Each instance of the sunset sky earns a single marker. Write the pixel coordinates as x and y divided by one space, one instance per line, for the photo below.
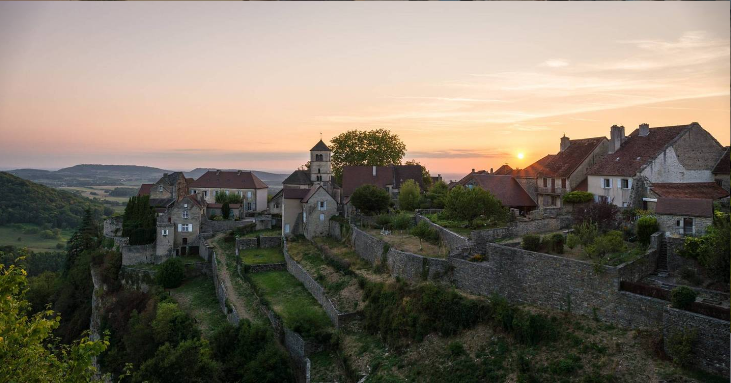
252 85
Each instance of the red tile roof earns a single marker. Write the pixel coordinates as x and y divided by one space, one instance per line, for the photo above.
356 176
295 193
534 169
145 189
637 151
566 162
703 190
504 188
724 163
684 206
228 180
503 170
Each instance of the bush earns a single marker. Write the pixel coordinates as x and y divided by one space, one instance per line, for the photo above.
370 199
646 227
401 222
557 241
384 221
409 196
578 197
612 242
171 273
572 240
682 297
680 345
586 232
470 204
603 214
424 231
531 242
691 276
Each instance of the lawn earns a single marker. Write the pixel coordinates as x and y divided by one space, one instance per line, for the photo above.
9 237
400 240
197 297
261 256
265 233
289 298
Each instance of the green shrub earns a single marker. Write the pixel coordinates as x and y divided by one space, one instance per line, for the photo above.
680 345
384 220
611 242
401 222
370 199
691 276
572 240
424 231
682 297
531 242
533 329
646 227
578 197
587 232
557 241
171 273
409 195
693 247
565 366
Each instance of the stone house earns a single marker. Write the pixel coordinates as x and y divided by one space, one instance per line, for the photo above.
721 171
179 227
307 211
388 178
170 186
504 187
237 210
245 184
674 154
684 216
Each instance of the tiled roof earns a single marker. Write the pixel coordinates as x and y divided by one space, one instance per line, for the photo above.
503 170
534 169
724 163
356 176
220 205
505 188
320 147
637 151
193 199
229 180
298 177
694 207
295 193
566 162
145 189
703 190
161 202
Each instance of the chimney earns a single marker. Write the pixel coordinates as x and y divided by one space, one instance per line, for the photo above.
491 171
644 130
238 173
218 172
617 137
473 170
374 171
565 142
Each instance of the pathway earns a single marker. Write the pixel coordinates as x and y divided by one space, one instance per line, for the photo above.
225 277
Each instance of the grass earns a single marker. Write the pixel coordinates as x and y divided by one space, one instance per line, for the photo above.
289 298
34 242
197 297
264 233
261 256
403 241
343 251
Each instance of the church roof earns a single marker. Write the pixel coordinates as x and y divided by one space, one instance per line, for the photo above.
298 177
320 147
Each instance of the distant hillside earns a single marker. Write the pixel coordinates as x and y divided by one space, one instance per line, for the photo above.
124 171
23 201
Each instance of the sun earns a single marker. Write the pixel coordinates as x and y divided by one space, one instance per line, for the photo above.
521 155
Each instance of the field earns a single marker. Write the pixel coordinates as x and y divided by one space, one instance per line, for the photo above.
33 241
261 256
197 297
101 193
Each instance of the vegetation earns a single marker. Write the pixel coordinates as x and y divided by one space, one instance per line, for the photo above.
436 197
712 250
611 242
370 199
23 201
139 222
425 176
680 345
377 147
171 273
409 196
226 210
123 192
470 204
578 197
682 297
27 347
531 242
604 214
646 227
231 198
425 232
261 256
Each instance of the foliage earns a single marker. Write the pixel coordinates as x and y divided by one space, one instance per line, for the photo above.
41 289
578 197
682 297
384 220
189 361
401 221
469 204
171 273
23 201
604 214
586 232
370 199
425 231
33 263
646 227
139 222
123 192
108 264
226 210
409 195
425 176
531 242
231 198
680 345
27 348
712 250
377 147
555 243
437 195
526 328
611 242
572 240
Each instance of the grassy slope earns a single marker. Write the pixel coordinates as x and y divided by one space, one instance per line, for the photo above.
197 297
9 236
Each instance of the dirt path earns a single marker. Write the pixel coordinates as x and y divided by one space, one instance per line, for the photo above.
225 277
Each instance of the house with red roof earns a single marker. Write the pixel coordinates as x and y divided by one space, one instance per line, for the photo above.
682 155
504 187
245 184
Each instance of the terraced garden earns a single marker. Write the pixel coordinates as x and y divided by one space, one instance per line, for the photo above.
402 240
261 256
264 233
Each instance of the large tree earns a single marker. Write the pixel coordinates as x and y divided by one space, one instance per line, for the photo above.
409 196
470 204
377 147
370 199
425 176
139 222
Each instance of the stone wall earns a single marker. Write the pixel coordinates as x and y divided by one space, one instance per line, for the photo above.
367 246
133 255
634 271
675 260
710 351
518 229
221 294
113 227
453 240
481 238
266 267
270 242
668 224
246 243
260 242
637 311
222 226
335 230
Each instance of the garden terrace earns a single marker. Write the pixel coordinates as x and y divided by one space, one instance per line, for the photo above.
197 297
264 233
341 286
403 241
462 227
261 256
292 302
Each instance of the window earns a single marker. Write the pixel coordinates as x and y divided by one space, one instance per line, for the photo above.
192 191
286 228
249 206
185 228
719 182
319 170
185 214
205 193
322 205
625 204
563 183
165 232
624 183
241 193
304 216
606 183
545 182
185 205
159 188
248 194
322 217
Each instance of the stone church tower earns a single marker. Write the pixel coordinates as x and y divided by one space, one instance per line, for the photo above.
320 166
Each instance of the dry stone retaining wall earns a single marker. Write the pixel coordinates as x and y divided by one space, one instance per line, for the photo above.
270 242
710 349
133 255
453 240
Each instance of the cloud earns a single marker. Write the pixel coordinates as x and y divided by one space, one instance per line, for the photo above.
457 153
555 63
455 99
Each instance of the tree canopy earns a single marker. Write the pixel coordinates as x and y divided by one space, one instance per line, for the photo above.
469 204
409 196
139 222
378 147
425 175
370 199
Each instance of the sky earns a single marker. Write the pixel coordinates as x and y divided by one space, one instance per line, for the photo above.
253 85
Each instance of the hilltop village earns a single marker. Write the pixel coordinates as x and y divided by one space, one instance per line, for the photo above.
623 230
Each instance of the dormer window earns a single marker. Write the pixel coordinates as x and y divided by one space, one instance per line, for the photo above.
159 188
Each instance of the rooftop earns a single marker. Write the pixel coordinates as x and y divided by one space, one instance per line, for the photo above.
694 207
567 161
505 188
229 180
356 176
702 190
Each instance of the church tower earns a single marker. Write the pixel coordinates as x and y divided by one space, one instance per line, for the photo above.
320 167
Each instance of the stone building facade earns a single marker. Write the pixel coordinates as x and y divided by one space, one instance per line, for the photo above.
170 186
178 228
245 184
